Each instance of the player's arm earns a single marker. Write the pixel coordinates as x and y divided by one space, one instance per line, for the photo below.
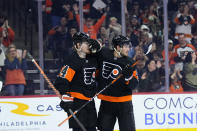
130 76
64 79
94 45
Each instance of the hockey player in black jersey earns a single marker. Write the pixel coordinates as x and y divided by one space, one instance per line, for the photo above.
77 78
116 100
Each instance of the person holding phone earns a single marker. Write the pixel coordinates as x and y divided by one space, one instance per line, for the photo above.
15 64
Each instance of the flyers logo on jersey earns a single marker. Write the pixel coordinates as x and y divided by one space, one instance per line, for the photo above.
89 75
110 70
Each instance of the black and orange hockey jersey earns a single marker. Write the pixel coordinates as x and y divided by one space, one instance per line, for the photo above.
109 69
77 77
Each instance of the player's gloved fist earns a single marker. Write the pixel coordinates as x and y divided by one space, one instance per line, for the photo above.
128 71
94 45
66 105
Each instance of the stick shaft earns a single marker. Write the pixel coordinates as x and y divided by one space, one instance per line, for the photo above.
67 119
48 80
77 120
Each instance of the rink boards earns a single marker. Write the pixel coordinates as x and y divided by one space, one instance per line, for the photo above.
165 112
153 112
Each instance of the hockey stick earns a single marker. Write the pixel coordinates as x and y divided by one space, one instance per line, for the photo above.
75 112
91 99
77 120
47 79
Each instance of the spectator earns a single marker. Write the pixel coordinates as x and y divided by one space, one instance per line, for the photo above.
144 28
89 27
144 15
141 66
175 81
146 42
114 29
68 11
153 20
190 72
170 53
133 29
195 11
57 11
180 50
69 41
103 36
142 59
171 32
15 64
138 53
135 10
6 32
184 21
114 9
144 2
57 39
73 30
150 80
192 9
157 56
194 40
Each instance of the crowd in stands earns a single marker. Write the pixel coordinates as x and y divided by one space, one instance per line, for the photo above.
12 62
144 27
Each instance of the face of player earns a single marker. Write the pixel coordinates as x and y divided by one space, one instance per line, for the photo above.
85 47
125 50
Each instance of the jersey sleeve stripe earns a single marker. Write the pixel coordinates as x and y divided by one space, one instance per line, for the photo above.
135 74
69 74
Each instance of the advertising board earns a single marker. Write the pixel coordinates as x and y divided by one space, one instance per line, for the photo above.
165 112
153 112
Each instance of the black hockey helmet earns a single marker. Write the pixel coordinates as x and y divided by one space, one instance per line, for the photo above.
120 40
80 37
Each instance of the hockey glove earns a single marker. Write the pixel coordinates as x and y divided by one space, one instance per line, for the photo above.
128 71
94 45
61 85
66 105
